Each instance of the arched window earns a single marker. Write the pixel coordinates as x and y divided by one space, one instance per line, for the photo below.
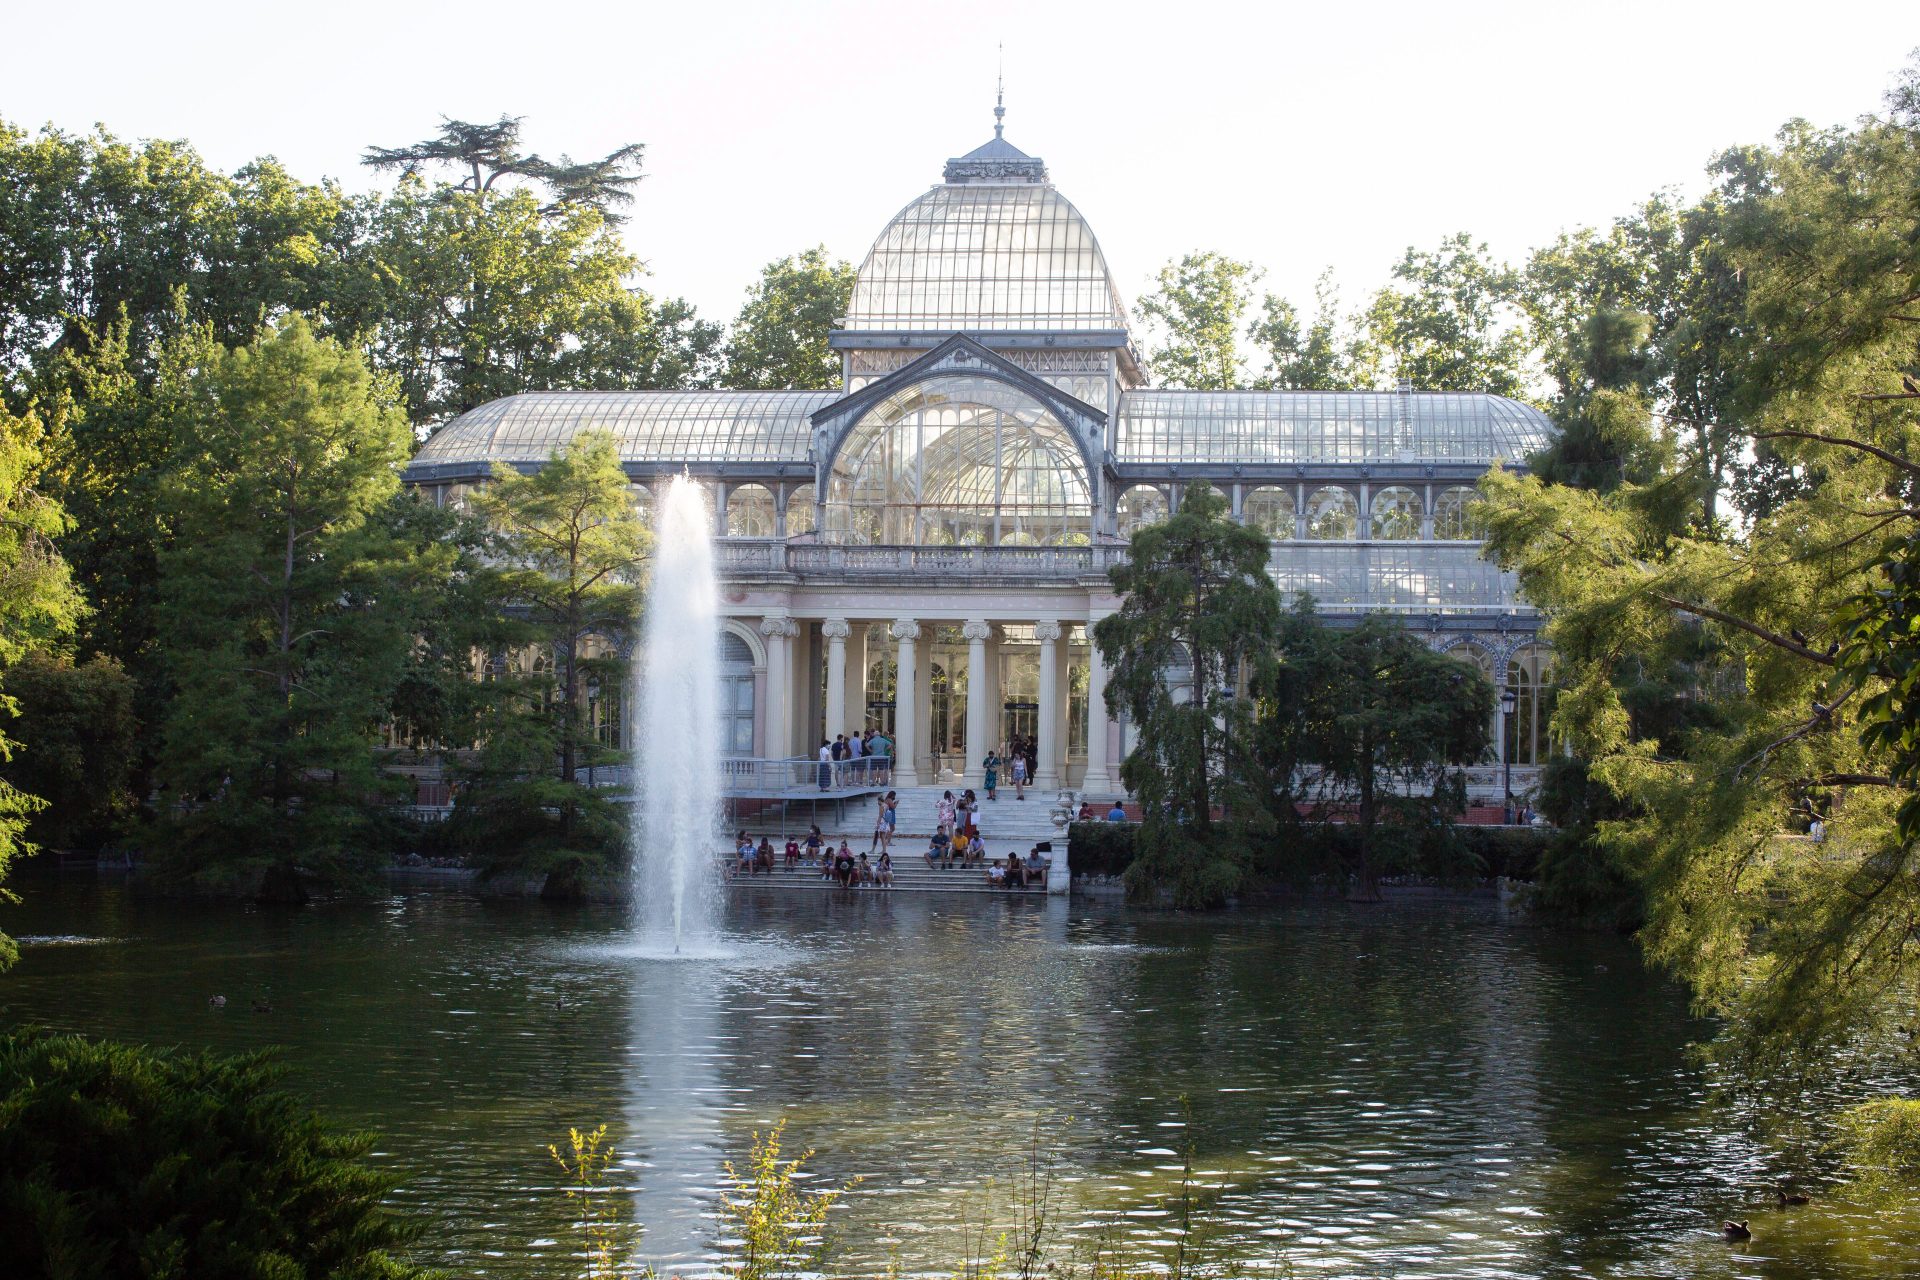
750 512
1139 507
1269 509
1482 660
1396 514
961 460
1530 676
800 510
736 695
1333 514
1450 522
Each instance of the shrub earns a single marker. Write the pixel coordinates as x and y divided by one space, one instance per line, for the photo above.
117 1160
1101 848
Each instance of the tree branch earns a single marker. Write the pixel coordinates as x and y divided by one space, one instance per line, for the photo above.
1847 442
1751 628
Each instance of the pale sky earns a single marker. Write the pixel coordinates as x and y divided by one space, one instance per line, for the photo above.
1295 136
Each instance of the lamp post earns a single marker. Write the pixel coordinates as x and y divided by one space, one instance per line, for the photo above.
1509 700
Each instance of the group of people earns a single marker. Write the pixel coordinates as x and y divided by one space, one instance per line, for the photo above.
1018 763
872 746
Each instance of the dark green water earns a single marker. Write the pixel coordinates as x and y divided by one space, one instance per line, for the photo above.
1411 1090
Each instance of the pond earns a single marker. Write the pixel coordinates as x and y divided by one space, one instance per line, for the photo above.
1414 1089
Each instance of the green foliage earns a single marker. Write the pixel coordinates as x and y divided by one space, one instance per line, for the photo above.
1195 598
1102 848
38 605
489 152
80 761
1450 323
1196 314
1318 357
569 552
122 1161
1782 645
472 296
1369 726
284 635
97 233
1881 1142
610 1240
779 339
783 1231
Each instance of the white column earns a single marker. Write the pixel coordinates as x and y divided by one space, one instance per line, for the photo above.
1099 777
1047 772
836 631
779 721
906 705
855 710
978 716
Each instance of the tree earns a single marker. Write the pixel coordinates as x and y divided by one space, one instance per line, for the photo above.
38 605
283 632
779 338
570 550
478 295
101 236
1450 324
119 1161
1316 358
1196 600
80 760
1196 315
490 152
1386 723
1799 625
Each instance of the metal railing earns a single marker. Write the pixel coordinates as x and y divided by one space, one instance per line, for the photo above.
1398 576
744 775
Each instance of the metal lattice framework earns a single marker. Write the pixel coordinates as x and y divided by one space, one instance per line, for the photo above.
958 460
1291 427
973 257
654 426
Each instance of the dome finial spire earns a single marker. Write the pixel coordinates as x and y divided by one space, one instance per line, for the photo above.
1000 94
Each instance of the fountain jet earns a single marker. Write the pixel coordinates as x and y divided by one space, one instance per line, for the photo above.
676 728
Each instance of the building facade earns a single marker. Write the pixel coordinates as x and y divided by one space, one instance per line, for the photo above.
926 548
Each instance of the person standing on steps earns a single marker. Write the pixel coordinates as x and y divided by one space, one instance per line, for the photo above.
826 763
992 766
1019 775
889 817
943 813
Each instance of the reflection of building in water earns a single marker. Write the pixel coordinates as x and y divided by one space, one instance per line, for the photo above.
924 549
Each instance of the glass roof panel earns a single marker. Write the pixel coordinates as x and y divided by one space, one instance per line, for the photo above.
1325 427
986 256
651 426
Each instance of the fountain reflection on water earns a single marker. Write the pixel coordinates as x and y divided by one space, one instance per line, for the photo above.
676 732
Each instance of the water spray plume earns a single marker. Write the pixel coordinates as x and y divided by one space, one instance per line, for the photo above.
676 725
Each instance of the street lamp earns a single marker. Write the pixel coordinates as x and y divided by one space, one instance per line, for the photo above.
1509 701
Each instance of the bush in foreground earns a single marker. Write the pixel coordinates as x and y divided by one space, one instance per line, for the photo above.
117 1160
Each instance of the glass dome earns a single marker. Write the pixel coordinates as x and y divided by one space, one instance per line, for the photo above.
958 460
973 256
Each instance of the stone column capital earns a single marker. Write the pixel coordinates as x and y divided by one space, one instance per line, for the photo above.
785 628
1048 630
905 629
836 629
977 630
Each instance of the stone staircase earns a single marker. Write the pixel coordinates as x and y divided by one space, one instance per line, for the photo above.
1007 826
910 875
